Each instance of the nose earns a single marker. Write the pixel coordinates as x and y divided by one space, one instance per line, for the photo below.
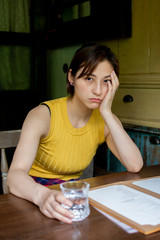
97 89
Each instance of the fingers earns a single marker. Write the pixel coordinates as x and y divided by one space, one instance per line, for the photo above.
106 104
59 197
113 85
55 210
115 81
52 207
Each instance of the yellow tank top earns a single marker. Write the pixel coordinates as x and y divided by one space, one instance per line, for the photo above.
67 151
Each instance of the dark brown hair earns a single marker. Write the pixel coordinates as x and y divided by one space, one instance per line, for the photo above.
88 57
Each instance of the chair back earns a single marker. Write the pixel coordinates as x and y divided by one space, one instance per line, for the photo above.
8 139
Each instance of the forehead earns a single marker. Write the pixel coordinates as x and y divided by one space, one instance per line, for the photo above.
103 68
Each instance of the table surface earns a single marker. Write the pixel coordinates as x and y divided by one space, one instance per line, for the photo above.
20 219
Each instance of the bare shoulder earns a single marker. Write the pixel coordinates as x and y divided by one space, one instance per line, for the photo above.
38 121
41 111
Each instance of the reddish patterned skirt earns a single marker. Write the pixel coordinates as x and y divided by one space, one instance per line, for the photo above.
49 181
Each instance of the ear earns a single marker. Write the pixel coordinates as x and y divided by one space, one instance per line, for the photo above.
70 77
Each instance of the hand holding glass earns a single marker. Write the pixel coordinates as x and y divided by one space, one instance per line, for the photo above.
77 193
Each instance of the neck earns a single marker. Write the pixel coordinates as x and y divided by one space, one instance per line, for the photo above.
78 114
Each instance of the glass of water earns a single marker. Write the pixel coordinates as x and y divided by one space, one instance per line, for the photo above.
77 193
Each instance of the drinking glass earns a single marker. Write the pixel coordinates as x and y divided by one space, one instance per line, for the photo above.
77 193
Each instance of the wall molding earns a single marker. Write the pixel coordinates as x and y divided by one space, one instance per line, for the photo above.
140 80
141 122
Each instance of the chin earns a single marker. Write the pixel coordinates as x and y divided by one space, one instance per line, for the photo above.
94 106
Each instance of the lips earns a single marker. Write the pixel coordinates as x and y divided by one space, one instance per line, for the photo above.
96 100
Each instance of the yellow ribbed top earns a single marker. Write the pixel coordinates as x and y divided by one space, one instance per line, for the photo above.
67 151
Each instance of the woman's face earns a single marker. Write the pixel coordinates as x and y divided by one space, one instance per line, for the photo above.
90 90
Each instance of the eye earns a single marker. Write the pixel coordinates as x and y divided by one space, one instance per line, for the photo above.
106 80
89 79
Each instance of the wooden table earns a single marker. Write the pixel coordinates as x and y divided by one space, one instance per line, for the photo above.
20 219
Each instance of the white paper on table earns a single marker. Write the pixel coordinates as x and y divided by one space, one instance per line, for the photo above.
124 226
130 203
152 184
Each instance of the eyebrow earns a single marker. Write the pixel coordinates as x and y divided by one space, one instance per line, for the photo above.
107 76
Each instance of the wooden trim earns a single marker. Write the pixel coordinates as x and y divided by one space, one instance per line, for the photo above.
141 122
140 80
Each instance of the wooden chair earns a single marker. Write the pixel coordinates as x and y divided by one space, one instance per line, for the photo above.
8 139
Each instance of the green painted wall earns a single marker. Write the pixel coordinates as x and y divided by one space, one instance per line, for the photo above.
56 78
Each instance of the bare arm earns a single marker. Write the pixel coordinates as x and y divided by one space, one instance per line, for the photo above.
122 145
35 127
117 138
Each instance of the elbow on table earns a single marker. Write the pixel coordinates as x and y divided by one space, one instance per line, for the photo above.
136 167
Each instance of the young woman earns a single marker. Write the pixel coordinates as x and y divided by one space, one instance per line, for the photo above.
59 137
